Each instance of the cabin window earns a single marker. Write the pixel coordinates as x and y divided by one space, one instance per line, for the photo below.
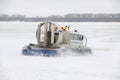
76 37
56 37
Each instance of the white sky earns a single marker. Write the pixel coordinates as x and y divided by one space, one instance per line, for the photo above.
58 7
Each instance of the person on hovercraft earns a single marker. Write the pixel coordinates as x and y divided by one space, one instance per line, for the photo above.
64 28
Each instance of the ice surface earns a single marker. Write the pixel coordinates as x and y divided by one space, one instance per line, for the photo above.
103 64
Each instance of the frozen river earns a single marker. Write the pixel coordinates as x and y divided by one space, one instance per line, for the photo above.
103 64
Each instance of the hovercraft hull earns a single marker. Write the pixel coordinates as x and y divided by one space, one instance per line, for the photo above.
40 51
28 50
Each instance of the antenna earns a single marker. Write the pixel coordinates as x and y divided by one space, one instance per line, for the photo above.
68 27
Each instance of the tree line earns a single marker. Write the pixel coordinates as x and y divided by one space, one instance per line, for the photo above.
65 18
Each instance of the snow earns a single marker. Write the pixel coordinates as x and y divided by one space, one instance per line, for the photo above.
103 64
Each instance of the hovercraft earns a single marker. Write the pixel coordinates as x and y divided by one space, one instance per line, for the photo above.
52 40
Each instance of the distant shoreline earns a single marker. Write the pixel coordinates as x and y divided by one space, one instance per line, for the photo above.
51 21
65 18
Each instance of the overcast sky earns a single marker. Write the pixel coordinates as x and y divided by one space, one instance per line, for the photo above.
58 7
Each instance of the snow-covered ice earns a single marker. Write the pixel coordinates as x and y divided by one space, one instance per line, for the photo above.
103 64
